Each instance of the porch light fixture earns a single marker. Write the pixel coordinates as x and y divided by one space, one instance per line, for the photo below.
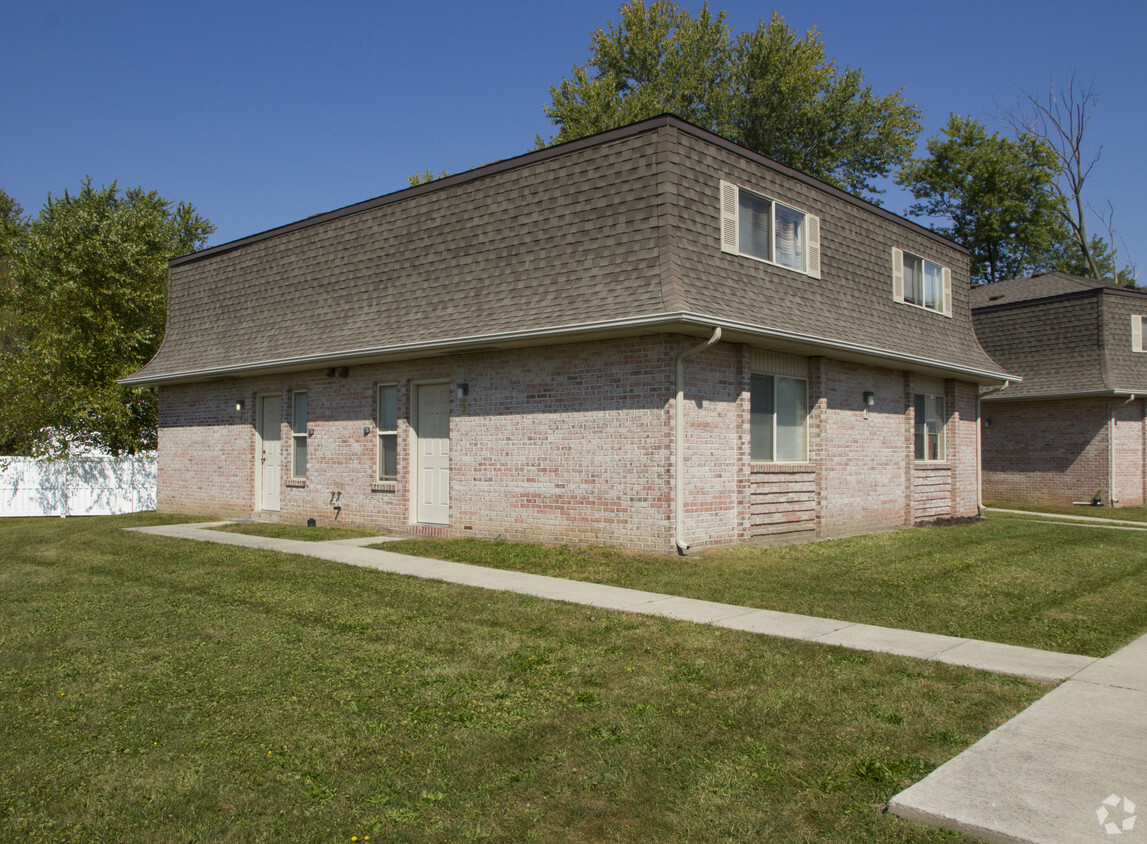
869 398
239 405
463 390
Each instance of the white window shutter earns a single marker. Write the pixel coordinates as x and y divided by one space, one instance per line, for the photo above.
813 245
898 274
947 292
728 217
1136 333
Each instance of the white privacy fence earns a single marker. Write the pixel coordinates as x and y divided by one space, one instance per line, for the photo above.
78 486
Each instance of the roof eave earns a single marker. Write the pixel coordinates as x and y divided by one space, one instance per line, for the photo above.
1082 394
684 322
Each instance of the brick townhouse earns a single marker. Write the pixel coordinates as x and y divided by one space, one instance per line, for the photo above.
650 337
1074 429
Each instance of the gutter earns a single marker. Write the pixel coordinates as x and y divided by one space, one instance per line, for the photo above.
980 445
487 342
679 442
1083 394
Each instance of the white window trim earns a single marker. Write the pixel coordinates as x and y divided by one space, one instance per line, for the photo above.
775 459
1137 333
385 432
943 431
730 230
296 435
945 308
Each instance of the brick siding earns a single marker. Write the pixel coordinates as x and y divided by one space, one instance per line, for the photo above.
1058 451
573 444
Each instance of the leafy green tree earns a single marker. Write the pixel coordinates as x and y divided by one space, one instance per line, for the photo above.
657 60
989 193
769 90
88 299
794 105
1065 256
13 231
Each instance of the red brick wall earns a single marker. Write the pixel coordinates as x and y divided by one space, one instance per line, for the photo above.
566 443
1045 452
1129 453
861 463
573 443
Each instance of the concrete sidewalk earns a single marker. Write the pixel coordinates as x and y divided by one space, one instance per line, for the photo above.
988 656
1072 767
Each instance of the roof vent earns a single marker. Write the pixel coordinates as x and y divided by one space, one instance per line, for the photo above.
997 296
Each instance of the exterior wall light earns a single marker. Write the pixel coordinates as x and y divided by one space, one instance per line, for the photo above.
869 398
240 405
463 390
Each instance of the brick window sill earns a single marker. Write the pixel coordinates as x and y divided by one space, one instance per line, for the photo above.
298 483
384 486
937 465
764 468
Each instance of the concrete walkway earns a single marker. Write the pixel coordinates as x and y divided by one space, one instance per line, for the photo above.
988 656
1072 767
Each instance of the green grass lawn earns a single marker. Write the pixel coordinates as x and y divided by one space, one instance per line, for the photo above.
156 689
299 532
1006 579
1130 514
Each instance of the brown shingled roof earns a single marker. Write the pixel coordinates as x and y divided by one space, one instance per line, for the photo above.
618 233
1065 334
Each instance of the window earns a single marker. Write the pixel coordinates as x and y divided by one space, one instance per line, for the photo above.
929 427
778 419
1137 333
918 281
299 434
387 432
768 230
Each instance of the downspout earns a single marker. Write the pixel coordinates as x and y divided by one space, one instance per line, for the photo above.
1111 452
980 444
679 442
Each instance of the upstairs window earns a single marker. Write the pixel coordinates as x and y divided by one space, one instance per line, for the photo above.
299 434
918 281
758 227
388 432
929 427
778 419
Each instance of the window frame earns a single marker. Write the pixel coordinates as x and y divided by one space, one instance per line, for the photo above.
920 434
385 433
297 435
773 413
732 229
900 259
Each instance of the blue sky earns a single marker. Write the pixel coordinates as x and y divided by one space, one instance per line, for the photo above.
263 113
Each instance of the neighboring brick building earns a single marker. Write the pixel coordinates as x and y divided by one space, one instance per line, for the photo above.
500 353
1078 344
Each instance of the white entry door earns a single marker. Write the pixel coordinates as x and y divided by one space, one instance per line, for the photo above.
433 454
267 456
